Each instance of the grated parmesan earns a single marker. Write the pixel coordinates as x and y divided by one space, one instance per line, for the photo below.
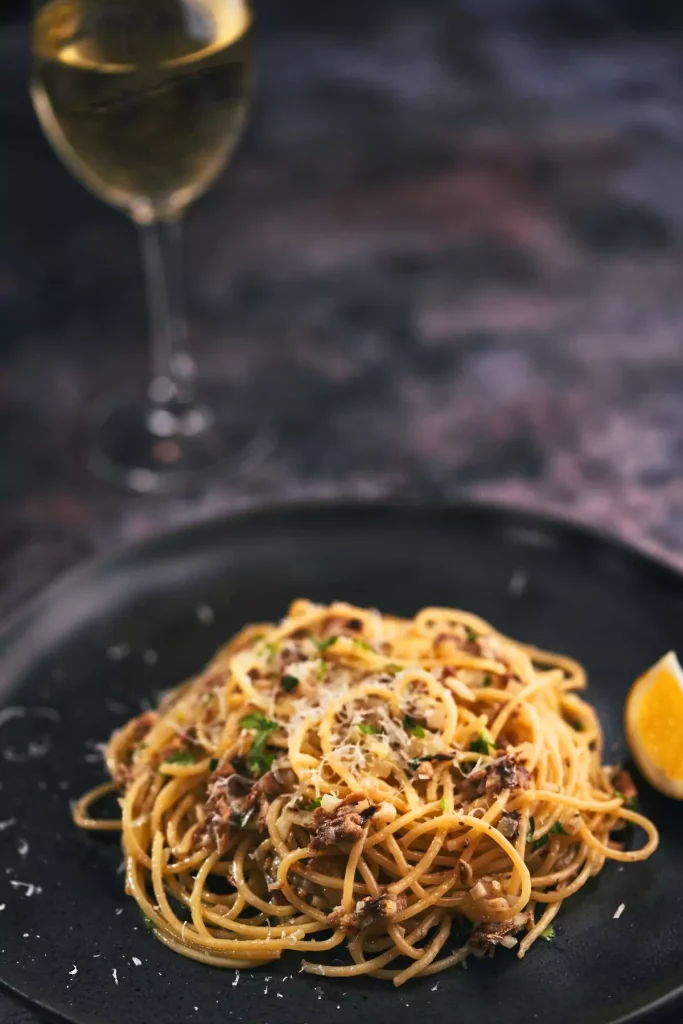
117 652
518 582
29 888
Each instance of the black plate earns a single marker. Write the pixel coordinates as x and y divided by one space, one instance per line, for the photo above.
110 636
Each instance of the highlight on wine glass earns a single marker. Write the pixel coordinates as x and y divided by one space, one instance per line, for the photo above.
144 101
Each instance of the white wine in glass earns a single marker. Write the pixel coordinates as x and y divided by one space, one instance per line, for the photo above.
144 101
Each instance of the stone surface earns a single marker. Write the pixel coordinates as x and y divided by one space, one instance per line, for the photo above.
446 261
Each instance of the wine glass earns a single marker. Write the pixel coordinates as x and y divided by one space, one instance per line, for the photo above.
144 101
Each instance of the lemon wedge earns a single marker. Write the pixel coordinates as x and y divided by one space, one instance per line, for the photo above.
654 725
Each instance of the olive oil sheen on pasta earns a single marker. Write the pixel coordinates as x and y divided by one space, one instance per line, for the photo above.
143 100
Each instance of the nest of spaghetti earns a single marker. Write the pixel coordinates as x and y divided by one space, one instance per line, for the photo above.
408 792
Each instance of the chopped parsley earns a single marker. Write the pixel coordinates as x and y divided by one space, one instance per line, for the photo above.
180 757
312 804
442 803
532 829
483 743
271 650
322 645
470 634
213 764
362 643
412 726
556 829
629 802
289 683
368 728
322 669
257 720
548 933
259 759
147 921
486 681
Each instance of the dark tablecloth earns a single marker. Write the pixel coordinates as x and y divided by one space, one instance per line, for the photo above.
447 260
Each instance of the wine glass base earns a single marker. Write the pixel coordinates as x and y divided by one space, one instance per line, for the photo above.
156 451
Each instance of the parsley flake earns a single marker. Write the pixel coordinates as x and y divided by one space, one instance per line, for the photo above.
180 757
412 726
442 803
257 720
259 759
289 683
556 829
368 728
470 634
362 643
147 921
548 933
483 744
312 804
322 645
271 650
213 764
486 681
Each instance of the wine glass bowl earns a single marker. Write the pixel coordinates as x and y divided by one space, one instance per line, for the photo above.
144 103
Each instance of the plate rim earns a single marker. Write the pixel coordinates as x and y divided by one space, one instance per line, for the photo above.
572 528
522 516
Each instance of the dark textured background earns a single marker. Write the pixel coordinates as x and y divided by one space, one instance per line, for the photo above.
447 259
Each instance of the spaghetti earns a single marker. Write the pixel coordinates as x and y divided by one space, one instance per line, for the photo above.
346 778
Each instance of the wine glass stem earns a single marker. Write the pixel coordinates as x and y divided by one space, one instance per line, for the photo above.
172 368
